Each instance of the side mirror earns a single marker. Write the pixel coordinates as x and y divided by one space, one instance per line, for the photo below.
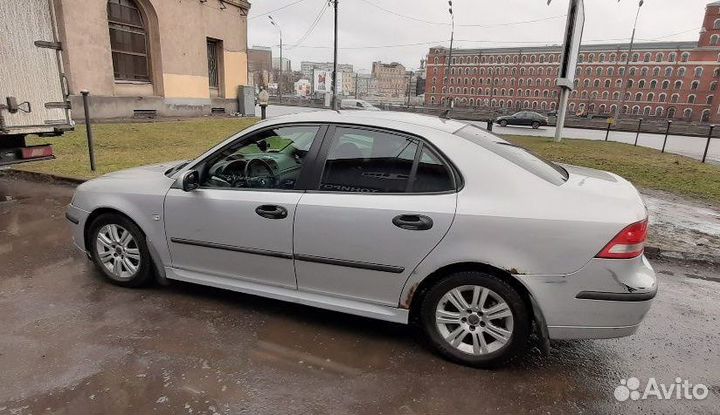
190 180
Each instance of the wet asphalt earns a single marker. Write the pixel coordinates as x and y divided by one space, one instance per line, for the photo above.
72 344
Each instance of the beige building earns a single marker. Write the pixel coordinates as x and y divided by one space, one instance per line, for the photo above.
169 57
392 80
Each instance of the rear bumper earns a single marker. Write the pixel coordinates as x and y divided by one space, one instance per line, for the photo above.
605 299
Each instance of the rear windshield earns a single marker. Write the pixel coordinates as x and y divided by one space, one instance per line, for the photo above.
542 168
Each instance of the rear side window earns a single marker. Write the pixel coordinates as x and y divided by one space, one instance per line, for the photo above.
371 161
538 166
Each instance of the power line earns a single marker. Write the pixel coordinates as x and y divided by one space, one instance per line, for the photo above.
275 10
459 25
312 27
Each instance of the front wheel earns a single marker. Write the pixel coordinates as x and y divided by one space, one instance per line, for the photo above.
119 250
535 125
475 319
503 123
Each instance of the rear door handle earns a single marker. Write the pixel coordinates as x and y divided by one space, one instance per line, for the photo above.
413 222
271 211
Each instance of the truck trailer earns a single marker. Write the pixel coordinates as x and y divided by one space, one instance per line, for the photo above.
34 95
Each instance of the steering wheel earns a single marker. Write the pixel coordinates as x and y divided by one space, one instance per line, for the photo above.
255 179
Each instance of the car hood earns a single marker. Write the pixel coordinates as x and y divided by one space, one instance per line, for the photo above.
142 171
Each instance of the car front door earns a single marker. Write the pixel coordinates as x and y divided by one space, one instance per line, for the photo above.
380 202
239 222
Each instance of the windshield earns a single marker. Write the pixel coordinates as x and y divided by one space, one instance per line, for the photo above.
538 166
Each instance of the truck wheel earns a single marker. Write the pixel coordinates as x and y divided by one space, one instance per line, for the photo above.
475 319
119 250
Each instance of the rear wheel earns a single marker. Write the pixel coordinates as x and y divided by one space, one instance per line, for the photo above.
475 319
535 125
503 123
119 250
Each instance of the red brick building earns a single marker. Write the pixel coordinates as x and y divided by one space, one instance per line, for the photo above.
676 80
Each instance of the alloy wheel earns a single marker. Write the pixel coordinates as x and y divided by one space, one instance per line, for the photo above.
118 251
474 319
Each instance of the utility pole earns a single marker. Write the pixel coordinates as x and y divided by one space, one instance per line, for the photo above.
447 73
280 76
335 55
618 110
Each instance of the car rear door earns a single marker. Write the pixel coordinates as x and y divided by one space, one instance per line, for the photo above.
380 201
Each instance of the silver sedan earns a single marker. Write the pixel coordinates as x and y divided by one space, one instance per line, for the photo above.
398 217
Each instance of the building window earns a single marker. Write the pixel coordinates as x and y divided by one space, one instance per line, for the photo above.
685 56
698 72
635 57
128 41
671 58
705 116
213 63
714 40
691 99
716 24
659 57
695 85
647 56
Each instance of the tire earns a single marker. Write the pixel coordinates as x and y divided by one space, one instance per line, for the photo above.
134 264
470 350
535 125
503 123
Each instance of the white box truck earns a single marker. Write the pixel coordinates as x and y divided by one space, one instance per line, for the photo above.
33 88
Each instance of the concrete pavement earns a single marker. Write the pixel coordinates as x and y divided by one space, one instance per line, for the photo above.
72 343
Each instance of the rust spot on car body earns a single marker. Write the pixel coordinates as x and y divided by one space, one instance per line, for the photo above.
408 299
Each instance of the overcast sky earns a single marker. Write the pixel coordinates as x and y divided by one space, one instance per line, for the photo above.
366 31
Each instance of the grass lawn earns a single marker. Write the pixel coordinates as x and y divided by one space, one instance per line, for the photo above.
119 146
644 167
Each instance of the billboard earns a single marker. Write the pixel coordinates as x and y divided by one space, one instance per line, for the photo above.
303 88
322 81
571 43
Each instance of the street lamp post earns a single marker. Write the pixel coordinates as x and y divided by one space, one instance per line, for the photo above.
280 76
618 110
452 37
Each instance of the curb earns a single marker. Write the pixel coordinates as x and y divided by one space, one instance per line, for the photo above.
654 252
43 177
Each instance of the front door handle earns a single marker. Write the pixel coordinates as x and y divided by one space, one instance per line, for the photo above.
271 211
413 222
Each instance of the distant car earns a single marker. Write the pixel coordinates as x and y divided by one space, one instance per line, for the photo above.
399 217
530 118
357 104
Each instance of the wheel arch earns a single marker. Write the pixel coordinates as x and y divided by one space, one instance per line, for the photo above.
414 296
155 256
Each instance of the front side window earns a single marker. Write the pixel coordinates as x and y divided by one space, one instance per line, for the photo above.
269 159
371 161
128 41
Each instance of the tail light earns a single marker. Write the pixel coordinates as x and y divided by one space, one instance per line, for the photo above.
629 243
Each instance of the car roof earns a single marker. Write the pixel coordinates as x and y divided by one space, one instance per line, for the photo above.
371 118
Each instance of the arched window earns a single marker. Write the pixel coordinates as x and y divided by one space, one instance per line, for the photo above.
714 40
709 100
687 114
698 72
638 96
571 107
678 84
716 24
646 111
128 41
650 97
662 98
610 72
659 111
671 112
685 56
705 116
647 57
659 57
695 85
691 99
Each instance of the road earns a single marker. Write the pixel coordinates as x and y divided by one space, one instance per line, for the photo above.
687 146
72 343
